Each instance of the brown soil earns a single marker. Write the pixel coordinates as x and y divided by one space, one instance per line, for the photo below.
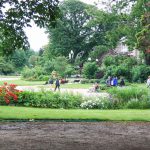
74 136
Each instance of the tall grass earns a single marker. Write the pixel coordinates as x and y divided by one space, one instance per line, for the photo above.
127 93
131 97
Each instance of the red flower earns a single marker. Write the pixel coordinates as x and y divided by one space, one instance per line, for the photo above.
15 98
7 101
8 92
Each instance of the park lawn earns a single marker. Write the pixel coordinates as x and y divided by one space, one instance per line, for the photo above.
32 83
3 76
26 113
22 82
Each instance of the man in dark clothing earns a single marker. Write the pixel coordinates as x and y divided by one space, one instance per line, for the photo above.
57 84
122 83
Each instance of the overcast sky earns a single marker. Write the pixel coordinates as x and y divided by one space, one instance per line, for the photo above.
37 37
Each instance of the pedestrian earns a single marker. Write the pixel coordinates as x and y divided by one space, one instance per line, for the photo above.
115 81
50 81
57 84
112 81
108 81
122 83
148 82
96 87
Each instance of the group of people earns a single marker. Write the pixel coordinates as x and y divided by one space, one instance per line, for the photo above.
113 81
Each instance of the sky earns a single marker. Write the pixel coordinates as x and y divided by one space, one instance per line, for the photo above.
37 37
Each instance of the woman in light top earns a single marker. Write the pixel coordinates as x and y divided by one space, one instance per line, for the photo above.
148 81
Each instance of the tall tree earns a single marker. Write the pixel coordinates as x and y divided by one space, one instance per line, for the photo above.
137 28
143 36
107 27
71 31
81 28
17 14
19 58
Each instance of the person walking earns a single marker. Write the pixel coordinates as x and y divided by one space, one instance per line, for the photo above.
57 85
148 82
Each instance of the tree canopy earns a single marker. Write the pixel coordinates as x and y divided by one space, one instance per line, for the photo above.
71 32
81 27
17 14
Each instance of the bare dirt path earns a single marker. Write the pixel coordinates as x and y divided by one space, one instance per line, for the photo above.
75 136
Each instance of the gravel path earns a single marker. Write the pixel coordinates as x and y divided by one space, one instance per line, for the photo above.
83 92
75 136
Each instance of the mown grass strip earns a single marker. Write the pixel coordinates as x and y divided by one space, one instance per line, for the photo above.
12 112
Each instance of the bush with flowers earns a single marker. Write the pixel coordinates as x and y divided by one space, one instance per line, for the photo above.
97 103
8 93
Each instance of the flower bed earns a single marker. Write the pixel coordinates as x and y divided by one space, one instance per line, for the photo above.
8 93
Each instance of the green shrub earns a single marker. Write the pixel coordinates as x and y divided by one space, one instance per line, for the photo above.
117 60
121 66
136 104
102 81
140 73
96 103
104 87
118 71
49 100
84 81
94 81
6 67
43 77
98 51
89 70
35 73
128 93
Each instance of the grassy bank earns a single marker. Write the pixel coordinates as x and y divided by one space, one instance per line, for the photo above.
11 112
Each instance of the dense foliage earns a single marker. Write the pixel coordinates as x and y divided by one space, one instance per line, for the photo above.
90 69
6 66
49 100
127 67
17 14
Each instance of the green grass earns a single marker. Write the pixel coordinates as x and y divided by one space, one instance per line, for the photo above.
2 76
12 112
23 82
71 86
32 83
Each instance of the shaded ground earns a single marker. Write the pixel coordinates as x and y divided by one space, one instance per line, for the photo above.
75 136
